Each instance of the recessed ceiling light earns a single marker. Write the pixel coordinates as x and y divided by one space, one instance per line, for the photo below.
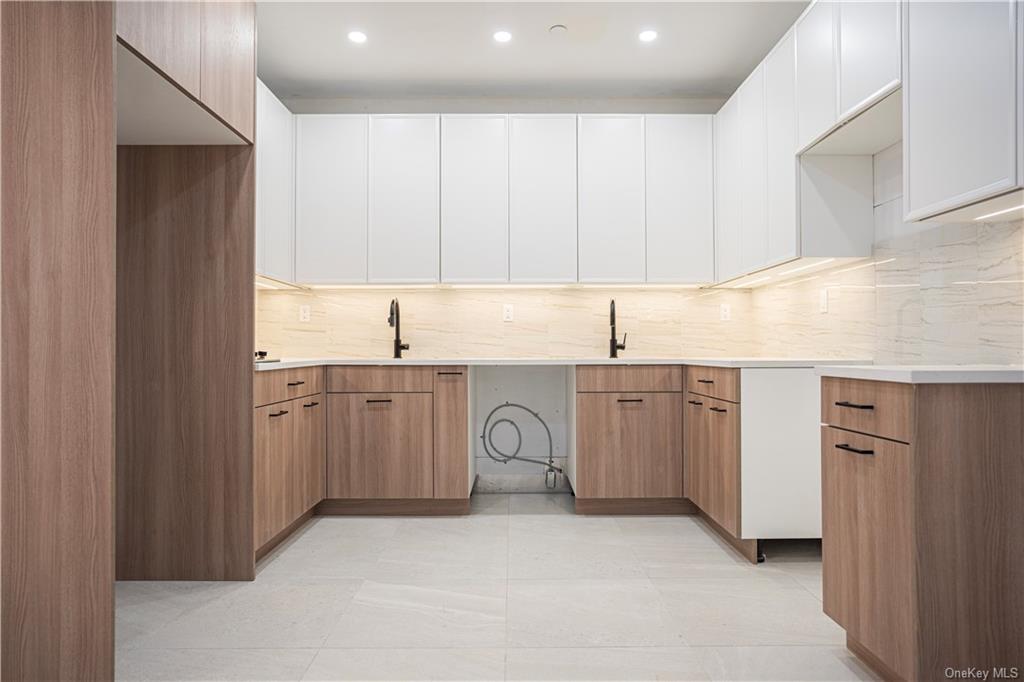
502 36
647 36
357 37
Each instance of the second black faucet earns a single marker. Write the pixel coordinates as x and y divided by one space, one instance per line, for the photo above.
395 320
613 344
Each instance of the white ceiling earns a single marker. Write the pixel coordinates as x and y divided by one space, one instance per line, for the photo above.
426 49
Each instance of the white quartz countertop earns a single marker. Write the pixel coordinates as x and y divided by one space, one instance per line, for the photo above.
748 363
929 374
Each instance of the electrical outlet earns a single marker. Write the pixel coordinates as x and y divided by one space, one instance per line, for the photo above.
725 312
507 312
304 313
823 301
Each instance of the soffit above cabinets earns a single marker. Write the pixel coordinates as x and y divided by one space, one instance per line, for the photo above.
425 49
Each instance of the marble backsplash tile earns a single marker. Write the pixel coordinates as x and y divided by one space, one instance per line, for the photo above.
952 293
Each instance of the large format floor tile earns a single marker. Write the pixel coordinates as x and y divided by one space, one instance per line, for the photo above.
408 664
520 589
587 612
452 613
180 665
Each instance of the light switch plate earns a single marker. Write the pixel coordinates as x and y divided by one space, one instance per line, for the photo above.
305 313
507 312
725 312
823 301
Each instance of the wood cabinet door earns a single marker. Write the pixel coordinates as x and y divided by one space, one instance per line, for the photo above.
695 472
629 445
723 463
451 433
227 81
166 34
309 455
380 445
866 543
273 440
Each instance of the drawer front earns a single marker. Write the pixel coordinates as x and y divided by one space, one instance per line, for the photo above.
629 378
629 445
377 379
866 543
717 382
877 408
275 385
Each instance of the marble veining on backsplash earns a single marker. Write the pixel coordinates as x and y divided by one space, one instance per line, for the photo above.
948 293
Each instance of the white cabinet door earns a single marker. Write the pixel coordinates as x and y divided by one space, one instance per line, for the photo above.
680 191
781 147
611 198
753 174
542 198
330 199
474 198
404 198
816 93
959 99
728 158
275 186
869 51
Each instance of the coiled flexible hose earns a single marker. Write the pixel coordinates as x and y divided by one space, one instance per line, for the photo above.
495 453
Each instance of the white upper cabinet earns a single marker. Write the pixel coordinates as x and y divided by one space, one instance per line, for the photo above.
961 91
728 167
781 147
275 186
816 72
404 198
869 51
680 191
753 173
474 198
542 198
611 198
330 199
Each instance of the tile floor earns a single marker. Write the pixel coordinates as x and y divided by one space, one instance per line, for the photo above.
521 589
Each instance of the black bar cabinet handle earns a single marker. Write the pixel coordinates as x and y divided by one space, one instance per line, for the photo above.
296 383
717 409
705 381
457 374
850 448
379 400
314 404
279 414
855 406
631 400
695 402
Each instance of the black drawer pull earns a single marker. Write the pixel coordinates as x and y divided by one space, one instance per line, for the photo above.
855 406
850 448
296 383
705 381
279 414
631 400
449 374
379 400
311 404
717 409
695 402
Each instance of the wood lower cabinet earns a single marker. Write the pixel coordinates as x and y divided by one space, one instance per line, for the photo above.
713 459
451 433
922 541
289 453
274 429
380 445
629 432
310 454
